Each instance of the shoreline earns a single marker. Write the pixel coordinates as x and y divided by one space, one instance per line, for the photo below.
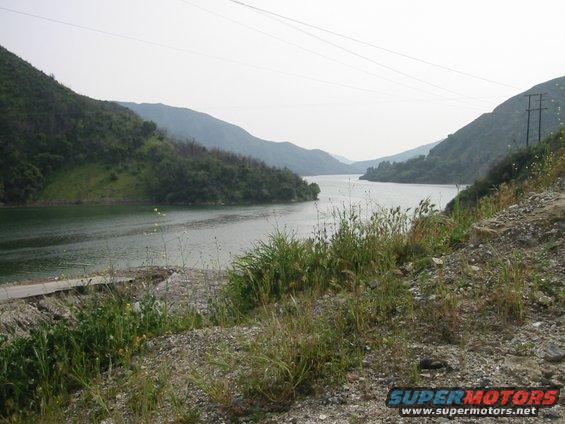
110 202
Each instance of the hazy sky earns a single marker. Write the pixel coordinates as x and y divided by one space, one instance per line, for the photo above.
357 112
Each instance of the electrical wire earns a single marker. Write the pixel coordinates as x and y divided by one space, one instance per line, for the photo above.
366 43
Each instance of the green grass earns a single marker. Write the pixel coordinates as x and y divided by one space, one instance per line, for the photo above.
94 182
39 372
508 293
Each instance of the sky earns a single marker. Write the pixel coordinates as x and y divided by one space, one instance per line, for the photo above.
284 81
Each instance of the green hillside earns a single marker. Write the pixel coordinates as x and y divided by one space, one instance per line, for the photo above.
214 133
58 145
471 151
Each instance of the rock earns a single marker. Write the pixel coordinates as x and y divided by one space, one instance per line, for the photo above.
481 233
552 413
542 298
136 307
322 417
352 376
485 382
474 268
548 373
527 240
554 353
409 267
431 363
437 261
373 284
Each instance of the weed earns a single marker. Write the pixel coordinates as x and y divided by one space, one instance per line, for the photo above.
146 393
508 293
59 358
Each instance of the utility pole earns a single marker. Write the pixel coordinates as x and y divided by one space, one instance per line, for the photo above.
530 110
540 108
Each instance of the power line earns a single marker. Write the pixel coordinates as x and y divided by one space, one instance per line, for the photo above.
354 53
194 52
189 51
293 105
366 43
303 48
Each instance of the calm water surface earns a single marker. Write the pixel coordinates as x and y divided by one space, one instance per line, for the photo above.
73 240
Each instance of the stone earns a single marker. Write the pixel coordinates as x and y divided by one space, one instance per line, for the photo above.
542 298
547 373
554 353
352 376
136 307
431 363
481 233
437 261
552 413
527 240
409 267
373 284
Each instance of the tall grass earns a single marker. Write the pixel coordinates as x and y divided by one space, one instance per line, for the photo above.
38 372
335 260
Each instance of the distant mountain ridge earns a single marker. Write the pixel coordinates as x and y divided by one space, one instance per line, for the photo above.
362 166
211 132
343 159
471 151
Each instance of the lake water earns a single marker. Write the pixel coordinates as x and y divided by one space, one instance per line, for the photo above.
74 240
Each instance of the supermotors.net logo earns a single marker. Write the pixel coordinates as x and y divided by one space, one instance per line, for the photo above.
477 402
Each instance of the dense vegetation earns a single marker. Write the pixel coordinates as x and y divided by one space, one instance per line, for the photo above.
279 287
421 169
47 131
516 168
471 151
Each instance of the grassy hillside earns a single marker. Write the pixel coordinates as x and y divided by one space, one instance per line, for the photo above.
214 133
58 145
93 182
471 151
515 170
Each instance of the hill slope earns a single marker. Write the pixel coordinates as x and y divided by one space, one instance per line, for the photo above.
214 133
58 145
470 152
362 166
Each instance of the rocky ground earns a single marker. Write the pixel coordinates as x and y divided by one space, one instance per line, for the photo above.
175 371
